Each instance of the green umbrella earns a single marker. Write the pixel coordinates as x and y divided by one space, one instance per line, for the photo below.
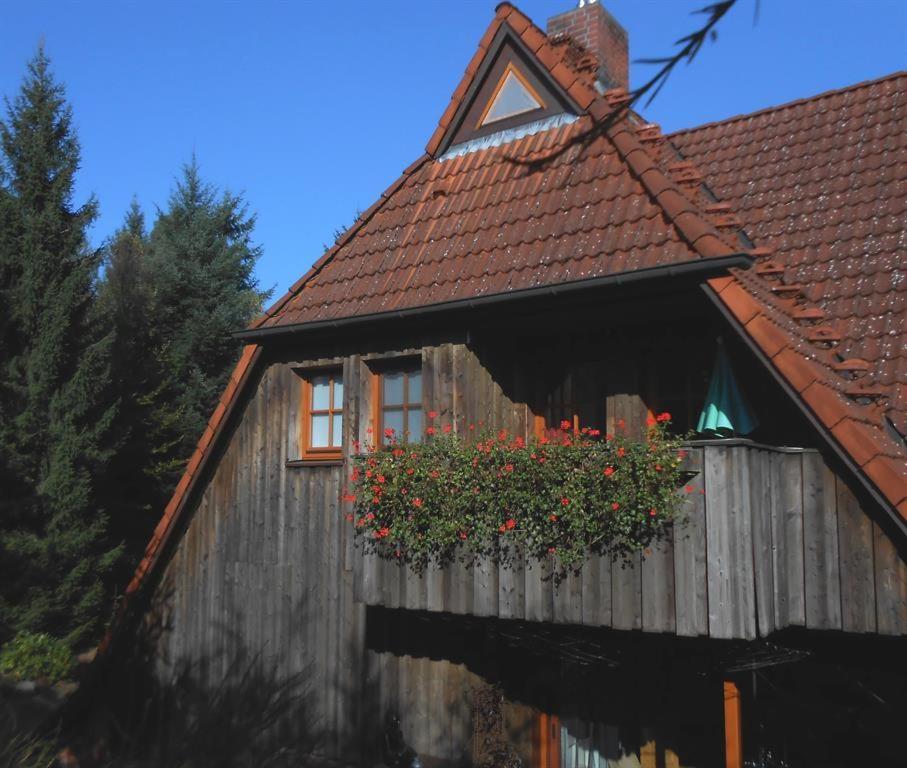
726 412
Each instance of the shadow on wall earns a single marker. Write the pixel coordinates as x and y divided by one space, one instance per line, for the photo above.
233 707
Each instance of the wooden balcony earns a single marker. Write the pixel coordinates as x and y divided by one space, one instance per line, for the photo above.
771 538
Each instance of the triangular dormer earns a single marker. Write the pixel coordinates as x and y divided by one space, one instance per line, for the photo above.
508 89
513 96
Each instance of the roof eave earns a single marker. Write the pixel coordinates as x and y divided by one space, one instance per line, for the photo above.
838 450
697 268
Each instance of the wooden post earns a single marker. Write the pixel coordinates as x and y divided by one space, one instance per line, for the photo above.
547 741
733 742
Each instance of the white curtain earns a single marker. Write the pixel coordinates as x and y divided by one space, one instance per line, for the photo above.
593 745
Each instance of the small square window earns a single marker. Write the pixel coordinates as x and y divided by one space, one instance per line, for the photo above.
322 416
399 405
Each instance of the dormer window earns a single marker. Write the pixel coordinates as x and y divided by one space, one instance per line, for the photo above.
513 95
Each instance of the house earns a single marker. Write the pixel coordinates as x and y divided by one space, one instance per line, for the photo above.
553 257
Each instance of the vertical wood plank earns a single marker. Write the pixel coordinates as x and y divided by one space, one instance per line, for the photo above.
855 540
822 576
890 585
626 593
787 538
716 466
690 559
763 559
658 587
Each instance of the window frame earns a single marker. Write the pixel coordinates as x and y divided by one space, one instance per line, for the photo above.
331 452
521 78
406 368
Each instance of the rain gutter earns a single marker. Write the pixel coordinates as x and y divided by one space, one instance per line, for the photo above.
700 269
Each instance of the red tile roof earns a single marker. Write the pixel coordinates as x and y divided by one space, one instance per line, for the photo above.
820 182
487 223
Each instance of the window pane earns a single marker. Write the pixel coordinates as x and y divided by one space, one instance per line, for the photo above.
415 387
337 430
414 425
393 388
338 393
512 99
393 420
321 393
320 431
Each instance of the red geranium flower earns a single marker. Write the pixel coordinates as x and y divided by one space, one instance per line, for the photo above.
508 467
653 512
608 471
552 518
417 502
511 524
662 417
650 421
430 431
463 535
565 501
447 428
388 432
566 425
615 506
432 414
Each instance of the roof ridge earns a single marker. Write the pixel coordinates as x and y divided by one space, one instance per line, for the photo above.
685 214
788 104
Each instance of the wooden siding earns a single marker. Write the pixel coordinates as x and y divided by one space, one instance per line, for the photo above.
267 566
264 569
770 539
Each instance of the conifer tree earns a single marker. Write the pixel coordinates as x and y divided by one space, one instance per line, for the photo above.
54 375
201 261
130 491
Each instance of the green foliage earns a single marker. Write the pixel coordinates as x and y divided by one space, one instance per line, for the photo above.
31 655
27 750
201 260
564 495
55 399
123 303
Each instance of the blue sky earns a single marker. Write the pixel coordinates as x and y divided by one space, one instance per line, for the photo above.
312 109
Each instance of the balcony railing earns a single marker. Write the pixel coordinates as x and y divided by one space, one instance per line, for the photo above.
770 538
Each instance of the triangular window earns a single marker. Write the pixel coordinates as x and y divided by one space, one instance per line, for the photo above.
512 96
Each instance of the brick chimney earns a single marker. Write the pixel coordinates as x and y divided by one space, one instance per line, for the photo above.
590 25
